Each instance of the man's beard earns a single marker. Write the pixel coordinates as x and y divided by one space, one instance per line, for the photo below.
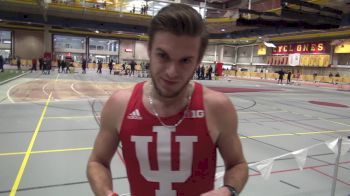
163 94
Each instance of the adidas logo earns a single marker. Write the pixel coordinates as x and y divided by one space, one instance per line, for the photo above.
135 115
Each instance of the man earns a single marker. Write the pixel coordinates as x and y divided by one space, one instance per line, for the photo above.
99 67
132 68
1 63
33 65
110 66
84 65
18 63
280 77
170 127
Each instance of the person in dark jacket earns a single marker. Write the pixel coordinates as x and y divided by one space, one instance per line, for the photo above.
280 77
18 63
110 66
1 63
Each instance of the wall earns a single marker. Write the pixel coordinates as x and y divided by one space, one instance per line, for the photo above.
244 55
126 43
141 51
209 54
229 54
258 59
28 44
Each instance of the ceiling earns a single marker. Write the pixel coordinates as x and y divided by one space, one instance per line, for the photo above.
221 17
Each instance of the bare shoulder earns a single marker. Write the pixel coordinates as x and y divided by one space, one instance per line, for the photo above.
114 109
121 96
216 101
221 114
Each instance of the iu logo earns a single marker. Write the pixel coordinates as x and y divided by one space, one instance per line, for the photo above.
165 176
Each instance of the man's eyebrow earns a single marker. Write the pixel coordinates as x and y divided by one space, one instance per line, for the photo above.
163 51
160 50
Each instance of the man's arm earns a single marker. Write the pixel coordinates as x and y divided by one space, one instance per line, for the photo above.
222 121
106 144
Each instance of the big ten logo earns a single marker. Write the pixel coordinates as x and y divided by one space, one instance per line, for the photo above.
194 114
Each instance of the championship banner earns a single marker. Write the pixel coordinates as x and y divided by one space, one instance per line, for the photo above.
316 47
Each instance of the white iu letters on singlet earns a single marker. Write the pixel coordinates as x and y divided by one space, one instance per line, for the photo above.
165 176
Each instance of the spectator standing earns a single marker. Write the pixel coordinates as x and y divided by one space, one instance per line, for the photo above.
1 63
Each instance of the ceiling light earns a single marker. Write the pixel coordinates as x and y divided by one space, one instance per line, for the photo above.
269 45
223 30
97 31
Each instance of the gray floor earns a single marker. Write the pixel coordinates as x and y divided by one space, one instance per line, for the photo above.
270 123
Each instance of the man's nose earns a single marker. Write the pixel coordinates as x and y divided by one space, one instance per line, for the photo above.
172 70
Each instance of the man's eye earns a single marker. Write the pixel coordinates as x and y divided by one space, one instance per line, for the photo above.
162 55
186 61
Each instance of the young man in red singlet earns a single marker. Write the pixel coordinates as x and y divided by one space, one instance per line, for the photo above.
170 127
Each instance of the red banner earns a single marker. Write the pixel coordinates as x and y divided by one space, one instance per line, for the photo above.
47 55
317 47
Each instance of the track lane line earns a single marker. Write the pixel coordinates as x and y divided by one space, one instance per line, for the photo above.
29 150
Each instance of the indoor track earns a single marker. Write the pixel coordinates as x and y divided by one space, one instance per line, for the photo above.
49 123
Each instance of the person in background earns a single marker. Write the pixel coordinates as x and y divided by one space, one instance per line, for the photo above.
84 65
280 77
170 127
41 63
99 67
1 63
210 71
337 77
34 62
18 63
110 66
289 75
132 68
331 77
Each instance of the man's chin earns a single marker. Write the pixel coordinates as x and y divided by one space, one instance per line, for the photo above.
168 94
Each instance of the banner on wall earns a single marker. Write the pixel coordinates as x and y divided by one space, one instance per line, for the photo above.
294 59
343 47
315 47
277 60
262 50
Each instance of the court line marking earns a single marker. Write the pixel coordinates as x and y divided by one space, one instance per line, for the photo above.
334 122
294 134
29 150
47 151
57 77
76 91
43 88
8 93
90 148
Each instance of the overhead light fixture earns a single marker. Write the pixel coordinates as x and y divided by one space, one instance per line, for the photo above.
97 31
269 45
223 30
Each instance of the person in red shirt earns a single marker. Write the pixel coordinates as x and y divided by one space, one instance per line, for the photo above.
170 127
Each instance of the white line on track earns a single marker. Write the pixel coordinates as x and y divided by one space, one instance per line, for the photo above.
8 93
76 91
43 89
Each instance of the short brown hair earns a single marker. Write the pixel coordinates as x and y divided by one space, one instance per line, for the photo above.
179 19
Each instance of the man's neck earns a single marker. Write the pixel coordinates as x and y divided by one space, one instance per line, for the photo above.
171 101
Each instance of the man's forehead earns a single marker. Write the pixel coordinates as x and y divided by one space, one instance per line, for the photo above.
175 53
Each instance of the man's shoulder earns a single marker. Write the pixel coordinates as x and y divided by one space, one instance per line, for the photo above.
122 95
214 98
